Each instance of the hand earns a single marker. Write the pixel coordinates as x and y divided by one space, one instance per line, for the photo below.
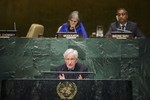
71 28
80 77
61 76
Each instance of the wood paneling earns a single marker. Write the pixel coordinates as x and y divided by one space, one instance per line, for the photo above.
52 13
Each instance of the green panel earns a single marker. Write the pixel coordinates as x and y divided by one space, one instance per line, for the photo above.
57 49
108 58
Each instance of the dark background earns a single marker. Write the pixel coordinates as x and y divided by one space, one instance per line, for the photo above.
52 13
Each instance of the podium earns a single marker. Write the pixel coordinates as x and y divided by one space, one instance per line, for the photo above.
45 89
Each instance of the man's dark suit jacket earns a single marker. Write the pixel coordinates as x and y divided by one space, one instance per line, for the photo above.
131 26
78 68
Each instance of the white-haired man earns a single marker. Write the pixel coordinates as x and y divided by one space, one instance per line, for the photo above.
72 65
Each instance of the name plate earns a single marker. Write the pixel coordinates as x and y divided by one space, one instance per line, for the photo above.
7 33
69 35
121 36
72 36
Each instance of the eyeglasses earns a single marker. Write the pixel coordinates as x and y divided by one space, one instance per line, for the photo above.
71 59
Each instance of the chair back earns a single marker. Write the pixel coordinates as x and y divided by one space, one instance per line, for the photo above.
35 30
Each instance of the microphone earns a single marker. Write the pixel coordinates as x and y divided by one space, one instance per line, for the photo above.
117 18
75 29
67 72
15 26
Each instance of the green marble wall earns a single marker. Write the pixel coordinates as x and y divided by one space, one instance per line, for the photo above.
107 58
31 56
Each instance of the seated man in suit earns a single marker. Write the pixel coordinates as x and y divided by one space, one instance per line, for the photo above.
72 65
122 23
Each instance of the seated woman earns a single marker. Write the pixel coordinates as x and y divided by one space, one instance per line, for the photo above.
73 25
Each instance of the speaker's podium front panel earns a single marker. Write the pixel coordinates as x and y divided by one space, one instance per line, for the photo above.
66 90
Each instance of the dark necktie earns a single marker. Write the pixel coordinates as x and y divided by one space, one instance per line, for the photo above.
123 27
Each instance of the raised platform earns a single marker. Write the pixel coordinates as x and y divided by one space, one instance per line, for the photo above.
109 58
